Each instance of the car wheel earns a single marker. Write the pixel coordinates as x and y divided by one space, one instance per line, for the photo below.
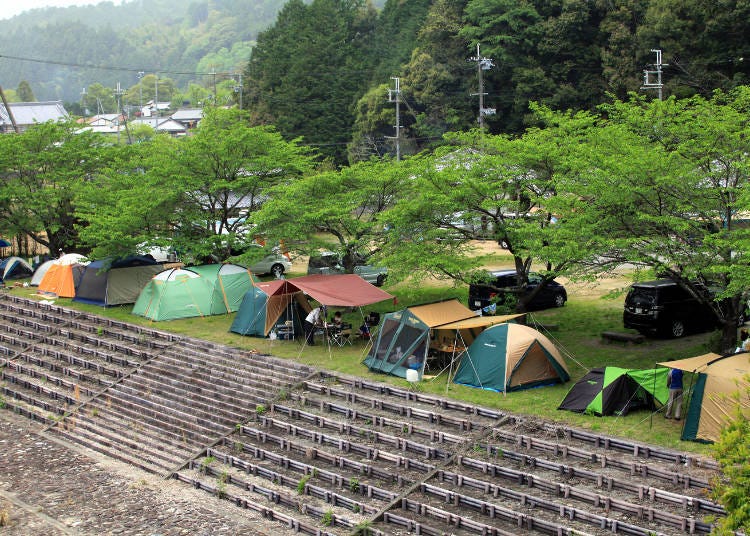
277 270
677 328
559 300
380 280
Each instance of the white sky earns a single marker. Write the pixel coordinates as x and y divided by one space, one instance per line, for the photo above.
14 7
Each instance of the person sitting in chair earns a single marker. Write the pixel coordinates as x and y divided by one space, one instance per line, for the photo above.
336 320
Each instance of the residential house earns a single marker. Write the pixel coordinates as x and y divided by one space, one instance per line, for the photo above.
27 114
151 110
161 124
190 117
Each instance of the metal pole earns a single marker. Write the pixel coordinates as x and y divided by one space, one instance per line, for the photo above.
140 91
394 95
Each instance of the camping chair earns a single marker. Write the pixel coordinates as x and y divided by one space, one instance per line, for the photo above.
340 335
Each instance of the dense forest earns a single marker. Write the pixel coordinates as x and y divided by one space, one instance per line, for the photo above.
322 70
60 51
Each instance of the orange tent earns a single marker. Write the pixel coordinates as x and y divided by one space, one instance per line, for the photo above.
63 275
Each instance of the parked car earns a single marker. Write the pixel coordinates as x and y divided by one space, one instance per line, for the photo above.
275 264
329 262
663 307
504 282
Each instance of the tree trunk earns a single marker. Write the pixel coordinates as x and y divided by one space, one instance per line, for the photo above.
728 341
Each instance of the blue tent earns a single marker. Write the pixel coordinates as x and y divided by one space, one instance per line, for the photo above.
14 268
110 282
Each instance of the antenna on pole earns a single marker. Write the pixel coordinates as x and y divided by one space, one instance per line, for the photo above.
394 95
483 64
647 83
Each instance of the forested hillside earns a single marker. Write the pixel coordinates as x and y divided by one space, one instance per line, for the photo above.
106 43
323 70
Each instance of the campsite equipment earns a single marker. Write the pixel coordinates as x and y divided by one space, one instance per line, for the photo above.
719 392
270 305
14 268
63 275
616 391
407 337
110 282
4 243
509 357
204 290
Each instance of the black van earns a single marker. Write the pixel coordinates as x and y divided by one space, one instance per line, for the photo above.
664 307
504 282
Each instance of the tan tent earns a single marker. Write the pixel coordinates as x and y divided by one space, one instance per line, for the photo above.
508 357
720 389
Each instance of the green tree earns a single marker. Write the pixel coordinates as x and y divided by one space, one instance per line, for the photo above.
703 43
665 183
99 100
131 203
42 171
223 174
307 71
493 187
336 210
544 50
24 92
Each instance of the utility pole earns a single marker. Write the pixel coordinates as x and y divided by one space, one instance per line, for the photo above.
118 98
140 92
483 64
9 111
238 87
213 74
83 102
156 98
394 95
647 83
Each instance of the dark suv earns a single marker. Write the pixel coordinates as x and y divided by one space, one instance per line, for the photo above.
664 307
505 281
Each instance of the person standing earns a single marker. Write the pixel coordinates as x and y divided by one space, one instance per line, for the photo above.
312 320
674 384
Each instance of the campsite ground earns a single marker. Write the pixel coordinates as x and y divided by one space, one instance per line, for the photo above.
575 329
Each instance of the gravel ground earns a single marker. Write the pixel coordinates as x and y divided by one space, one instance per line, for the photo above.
50 488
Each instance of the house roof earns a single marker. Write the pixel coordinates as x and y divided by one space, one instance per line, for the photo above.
188 114
28 113
163 124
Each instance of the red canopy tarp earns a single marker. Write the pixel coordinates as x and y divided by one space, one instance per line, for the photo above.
343 290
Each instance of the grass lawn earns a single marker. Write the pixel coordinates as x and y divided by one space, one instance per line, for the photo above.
576 330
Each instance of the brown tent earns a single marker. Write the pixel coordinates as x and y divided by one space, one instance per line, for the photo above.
721 389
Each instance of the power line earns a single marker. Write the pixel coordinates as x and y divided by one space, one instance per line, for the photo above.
109 67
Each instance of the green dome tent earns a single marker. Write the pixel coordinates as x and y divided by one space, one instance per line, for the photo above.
615 391
205 290
509 357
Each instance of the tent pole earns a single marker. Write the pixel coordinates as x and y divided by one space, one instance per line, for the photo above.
653 400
